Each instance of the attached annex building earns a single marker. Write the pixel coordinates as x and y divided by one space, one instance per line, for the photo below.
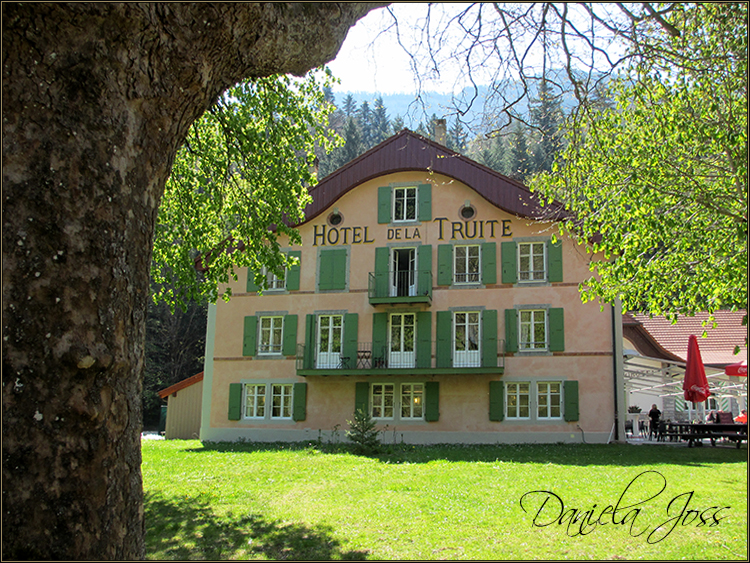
427 294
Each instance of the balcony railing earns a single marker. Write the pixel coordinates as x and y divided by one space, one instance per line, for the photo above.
381 358
403 286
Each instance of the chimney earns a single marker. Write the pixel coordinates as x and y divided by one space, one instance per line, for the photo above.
440 131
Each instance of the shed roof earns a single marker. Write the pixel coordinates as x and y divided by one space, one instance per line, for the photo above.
717 348
409 151
192 380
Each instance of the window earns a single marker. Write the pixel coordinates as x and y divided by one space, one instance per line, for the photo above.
255 401
531 261
541 400
517 397
271 331
533 329
402 340
281 401
274 281
412 403
404 204
382 400
329 341
466 264
549 398
466 339
333 268
256 398
386 403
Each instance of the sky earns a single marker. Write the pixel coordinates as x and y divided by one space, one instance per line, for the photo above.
371 59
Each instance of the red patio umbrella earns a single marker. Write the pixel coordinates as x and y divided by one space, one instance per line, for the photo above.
695 385
738 370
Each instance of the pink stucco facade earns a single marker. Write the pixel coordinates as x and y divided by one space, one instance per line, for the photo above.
509 403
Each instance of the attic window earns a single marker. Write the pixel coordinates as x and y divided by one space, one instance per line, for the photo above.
335 218
468 212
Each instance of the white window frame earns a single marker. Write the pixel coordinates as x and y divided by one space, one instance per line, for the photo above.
259 400
284 392
466 258
549 394
274 282
411 399
331 358
530 345
379 411
457 362
402 398
518 394
265 406
267 347
405 198
532 275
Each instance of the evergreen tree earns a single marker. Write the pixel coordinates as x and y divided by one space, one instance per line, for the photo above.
546 114
380 127
349 106
364 116
363 433
397 124
457 137
517 156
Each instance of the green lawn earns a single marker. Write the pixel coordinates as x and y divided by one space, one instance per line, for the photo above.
308 501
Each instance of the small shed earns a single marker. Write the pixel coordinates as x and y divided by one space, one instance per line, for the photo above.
184 408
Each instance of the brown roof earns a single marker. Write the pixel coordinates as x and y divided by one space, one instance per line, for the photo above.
409 151
717 348
164 393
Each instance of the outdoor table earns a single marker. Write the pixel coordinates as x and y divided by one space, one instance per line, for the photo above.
696 432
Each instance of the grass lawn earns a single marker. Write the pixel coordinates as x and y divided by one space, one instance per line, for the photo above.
311 501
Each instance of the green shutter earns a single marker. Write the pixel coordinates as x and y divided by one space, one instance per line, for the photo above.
292 275
444 346
299 402
424 267
554 260
445 264
251 285
379 339
424 343
289 346
509 262
489 338
431 401
250 336
511 330
235 401
351 334
497 401
339 269
489 263
556 330
361 396
384 204
570 392
382 258
332 274
308 361
424 196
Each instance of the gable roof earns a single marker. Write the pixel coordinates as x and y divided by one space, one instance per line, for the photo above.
164 393
409 151
717 348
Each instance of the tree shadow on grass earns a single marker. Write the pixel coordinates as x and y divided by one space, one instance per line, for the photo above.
560 454
187 528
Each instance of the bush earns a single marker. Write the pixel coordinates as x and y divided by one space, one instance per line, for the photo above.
363 433
634 409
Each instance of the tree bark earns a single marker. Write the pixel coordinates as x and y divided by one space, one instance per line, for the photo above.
97 98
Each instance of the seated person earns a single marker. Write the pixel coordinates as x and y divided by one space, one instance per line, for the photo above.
711 417
742 417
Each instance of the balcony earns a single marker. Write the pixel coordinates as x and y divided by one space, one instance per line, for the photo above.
378 359
401 286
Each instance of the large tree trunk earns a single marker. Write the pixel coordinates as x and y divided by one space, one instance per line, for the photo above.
97 98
